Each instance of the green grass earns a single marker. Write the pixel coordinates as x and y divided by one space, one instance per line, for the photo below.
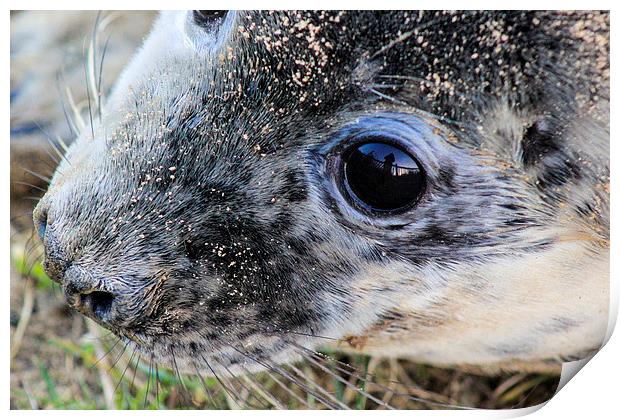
360 399
131 394
33 270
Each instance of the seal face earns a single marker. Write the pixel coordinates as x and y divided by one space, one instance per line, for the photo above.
427 184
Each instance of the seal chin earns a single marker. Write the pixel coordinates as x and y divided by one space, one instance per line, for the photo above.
221 359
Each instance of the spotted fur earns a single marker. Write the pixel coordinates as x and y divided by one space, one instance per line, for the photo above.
207 199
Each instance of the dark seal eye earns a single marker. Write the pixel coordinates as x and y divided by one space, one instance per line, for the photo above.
382 177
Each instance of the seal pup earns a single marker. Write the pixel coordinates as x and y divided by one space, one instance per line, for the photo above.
429 185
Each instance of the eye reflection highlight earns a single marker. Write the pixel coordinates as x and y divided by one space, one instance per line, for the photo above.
382 176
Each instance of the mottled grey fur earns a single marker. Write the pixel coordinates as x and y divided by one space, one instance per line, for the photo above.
208 202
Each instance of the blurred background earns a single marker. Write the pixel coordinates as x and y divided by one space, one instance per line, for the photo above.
59 359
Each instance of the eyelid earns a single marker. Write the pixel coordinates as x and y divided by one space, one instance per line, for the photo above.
425 139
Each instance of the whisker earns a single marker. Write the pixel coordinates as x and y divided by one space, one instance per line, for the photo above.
389 98
313 355
32 198
291 378
317 386
204 385
157 385
50 140
420 111
269 370
101 338
217 378
70 123
404 36
262 391
148 383
312 335
133 354
106 353
64 146
178 375
421 81
135 371
80 125
119 357
388 395
28 247
286 388
43 190
99 94
91 63
34 262
349 384
386 86
61 155
240 401
90 111
248 390
55 159
41 177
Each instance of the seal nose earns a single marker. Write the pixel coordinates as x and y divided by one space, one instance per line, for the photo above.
84 294
55 262
82 291
97 305
40 222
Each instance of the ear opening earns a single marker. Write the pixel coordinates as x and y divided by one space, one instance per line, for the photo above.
208 30
207 19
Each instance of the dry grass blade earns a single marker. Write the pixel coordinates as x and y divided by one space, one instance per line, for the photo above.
24 317
509 383
106 380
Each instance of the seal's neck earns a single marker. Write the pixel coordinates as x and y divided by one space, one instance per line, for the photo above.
549 305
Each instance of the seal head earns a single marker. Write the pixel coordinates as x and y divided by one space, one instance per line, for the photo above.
431 184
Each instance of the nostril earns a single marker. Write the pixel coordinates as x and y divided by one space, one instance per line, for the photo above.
98 304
